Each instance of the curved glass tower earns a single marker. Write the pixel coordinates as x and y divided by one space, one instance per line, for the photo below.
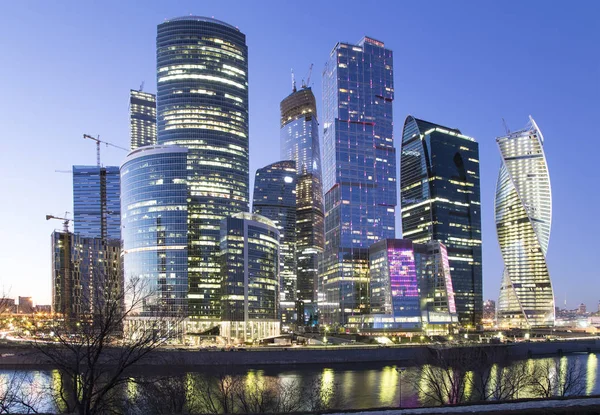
299 136
440 199
275 199
523 221
154 216
202 104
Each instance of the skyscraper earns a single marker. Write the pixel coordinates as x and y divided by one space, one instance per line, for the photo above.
202 104
523 220
299 136
440 201
142 118
359 168
96 202
250 281
275 199
155 219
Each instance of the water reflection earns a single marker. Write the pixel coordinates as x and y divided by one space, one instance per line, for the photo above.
356 386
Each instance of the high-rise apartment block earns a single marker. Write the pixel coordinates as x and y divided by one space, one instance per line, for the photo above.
523 221
359 171
154 204
275 198
249 259
96 202
299 137
440 201
202 105
84 272
142 118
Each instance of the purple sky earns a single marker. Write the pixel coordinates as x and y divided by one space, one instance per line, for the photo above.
67 68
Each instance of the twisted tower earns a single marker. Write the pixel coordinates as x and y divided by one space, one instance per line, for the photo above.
523 220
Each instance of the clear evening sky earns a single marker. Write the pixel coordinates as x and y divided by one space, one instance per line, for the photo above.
67 68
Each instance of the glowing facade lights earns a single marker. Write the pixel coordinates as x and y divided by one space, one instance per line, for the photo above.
523 220
142 118
207 60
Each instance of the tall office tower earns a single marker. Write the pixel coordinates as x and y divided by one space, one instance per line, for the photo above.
359 168
249 268
438 306
523 220
84 272
394 285
96 203
202 104
439 186
154 203
275 198
142 118
299 137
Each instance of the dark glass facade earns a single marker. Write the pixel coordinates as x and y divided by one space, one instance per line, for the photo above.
84 271
155 219
96 203
359 171
299 137
202 104
249 258
275 198
441 201
142 119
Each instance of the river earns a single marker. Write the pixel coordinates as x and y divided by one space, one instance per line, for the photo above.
355 386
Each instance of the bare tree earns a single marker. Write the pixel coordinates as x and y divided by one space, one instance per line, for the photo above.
216 394
20 393
557 377
163 395
95 353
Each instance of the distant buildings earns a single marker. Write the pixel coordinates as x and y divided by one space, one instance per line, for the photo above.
489 311
275 198
202 105
441 201
25 305
154 202
523 218
96 205
359 172
299 137
142 119
249 259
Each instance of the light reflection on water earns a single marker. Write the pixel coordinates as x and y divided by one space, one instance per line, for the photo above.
354 386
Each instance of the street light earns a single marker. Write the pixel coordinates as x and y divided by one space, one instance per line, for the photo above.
400 370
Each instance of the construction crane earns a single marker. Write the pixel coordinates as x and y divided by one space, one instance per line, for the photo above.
305 85
505 126
142 86
65 221
98 141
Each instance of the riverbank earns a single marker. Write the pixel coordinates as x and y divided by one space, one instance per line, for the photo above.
23 355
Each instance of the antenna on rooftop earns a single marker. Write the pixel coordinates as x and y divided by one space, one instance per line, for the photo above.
293 81
505 126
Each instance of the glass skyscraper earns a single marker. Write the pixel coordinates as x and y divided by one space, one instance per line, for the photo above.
202 105
96 203
142 118
250 277
155 220
359 171
523 221
440 201
275 198
299 137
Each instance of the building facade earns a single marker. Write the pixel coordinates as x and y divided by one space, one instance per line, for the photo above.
275 199
202 105
249 258
394 285
96 203
438 305
299 137
84 272
155 219
359 172
142 119
440 201
523 221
